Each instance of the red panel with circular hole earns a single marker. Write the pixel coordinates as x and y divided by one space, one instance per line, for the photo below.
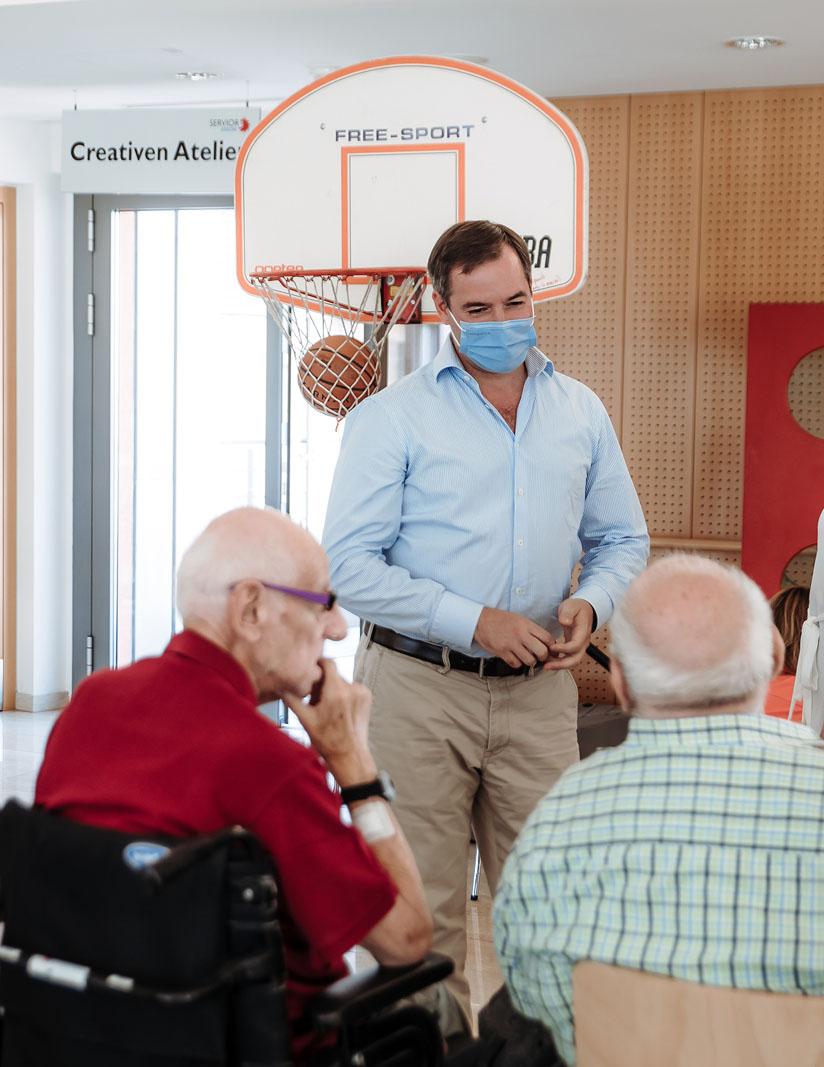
783 464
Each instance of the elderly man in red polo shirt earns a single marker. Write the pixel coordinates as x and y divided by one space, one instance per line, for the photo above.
176 745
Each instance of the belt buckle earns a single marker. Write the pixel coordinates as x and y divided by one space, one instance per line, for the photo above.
481 664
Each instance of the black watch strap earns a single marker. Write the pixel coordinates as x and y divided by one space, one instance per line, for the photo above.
379 787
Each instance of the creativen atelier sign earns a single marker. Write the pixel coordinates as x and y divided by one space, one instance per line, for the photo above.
154 150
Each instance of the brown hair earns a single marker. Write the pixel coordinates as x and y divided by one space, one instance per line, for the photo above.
790 608
467 245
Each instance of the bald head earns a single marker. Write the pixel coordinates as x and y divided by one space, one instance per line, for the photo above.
245 543
691 633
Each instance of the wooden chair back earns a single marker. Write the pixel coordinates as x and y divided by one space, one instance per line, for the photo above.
626 1018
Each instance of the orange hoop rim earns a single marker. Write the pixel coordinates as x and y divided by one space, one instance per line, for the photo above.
351 273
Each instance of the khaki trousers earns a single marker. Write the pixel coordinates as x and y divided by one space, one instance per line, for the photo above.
464 750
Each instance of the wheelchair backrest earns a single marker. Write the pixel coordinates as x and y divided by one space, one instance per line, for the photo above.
81 894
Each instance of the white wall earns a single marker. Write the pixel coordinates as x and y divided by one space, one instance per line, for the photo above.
44 412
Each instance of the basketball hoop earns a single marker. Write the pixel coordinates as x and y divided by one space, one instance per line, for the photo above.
336 368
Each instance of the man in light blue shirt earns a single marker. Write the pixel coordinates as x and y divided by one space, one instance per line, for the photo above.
464 497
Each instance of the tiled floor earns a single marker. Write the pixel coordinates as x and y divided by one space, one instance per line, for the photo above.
23 736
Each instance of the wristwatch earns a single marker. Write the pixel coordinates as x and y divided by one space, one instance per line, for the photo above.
382 786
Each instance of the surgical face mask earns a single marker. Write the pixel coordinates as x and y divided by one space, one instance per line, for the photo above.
497 347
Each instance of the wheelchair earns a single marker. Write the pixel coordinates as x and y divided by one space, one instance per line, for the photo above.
129 950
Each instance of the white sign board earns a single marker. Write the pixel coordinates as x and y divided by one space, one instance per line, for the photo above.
153 151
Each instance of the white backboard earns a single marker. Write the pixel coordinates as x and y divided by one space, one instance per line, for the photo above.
367 166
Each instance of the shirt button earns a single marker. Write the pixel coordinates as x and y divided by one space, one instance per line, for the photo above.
520 590
520 492
520 541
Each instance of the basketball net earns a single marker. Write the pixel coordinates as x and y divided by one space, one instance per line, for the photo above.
319 314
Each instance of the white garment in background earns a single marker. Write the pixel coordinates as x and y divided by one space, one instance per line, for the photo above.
809 676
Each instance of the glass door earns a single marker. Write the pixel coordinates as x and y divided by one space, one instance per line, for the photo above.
178 421
188 407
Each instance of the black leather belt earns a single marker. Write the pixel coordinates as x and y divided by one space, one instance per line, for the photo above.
441 657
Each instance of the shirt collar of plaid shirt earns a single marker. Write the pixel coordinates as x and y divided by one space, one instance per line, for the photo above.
697 729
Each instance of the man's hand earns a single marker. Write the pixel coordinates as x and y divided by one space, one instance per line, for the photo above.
518 641
338 726
576 616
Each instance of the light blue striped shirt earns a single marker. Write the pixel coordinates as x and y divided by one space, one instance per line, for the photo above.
437 509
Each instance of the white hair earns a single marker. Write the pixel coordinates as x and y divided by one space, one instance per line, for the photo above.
237 545
743 674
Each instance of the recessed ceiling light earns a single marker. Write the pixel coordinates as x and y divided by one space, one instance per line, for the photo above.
754 44
195 75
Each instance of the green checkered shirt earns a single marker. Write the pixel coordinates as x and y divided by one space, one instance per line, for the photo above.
694 849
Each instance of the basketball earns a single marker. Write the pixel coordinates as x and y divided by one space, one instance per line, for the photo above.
336 373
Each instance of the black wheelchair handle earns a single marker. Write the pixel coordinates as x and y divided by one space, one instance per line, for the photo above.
601 658
184 855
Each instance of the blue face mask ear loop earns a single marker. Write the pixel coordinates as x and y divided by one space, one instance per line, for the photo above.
455 321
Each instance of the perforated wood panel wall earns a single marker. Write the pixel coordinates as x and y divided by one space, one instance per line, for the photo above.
762 239
583 335
701 203
594 686
662 285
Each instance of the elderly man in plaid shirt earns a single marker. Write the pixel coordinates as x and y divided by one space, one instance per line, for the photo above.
696 848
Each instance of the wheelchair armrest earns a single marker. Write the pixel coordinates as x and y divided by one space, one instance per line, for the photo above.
359 995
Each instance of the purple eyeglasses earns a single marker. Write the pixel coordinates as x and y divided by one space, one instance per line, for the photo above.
326 600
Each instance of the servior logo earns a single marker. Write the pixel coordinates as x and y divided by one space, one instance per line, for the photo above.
235 125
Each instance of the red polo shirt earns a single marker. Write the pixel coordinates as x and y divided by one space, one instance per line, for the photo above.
176 745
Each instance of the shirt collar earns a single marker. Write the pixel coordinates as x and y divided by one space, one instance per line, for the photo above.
447 358
194 647
717 729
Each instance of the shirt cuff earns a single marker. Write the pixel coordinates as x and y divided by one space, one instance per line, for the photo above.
454 622
600 600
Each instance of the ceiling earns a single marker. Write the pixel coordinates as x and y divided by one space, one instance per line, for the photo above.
117 53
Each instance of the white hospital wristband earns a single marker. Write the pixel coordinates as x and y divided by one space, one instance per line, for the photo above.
373 821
